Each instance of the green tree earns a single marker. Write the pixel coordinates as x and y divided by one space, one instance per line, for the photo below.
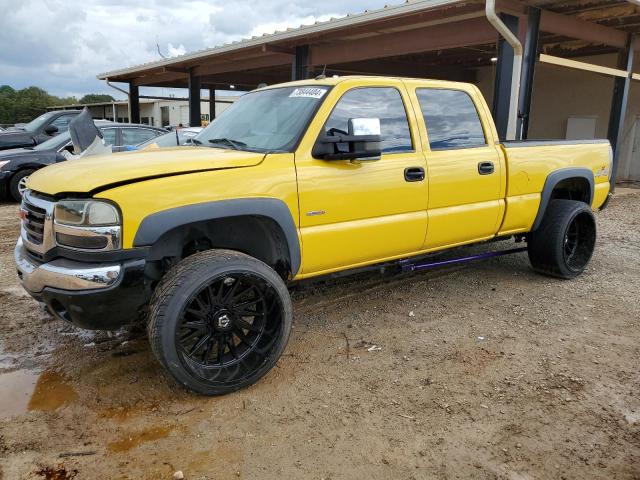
7 104
96 98
21 106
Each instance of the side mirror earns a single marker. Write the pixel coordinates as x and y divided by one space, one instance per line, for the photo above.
51 129
361 142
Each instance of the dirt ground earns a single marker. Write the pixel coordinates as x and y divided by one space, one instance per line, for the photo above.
486 371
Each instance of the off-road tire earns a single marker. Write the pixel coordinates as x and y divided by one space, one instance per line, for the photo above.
14 183
564 242
172 308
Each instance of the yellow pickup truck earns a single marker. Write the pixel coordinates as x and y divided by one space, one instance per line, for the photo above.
293 181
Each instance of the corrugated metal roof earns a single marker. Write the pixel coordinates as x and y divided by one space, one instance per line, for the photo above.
387 11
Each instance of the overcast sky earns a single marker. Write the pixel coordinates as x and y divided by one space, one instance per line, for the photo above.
61 45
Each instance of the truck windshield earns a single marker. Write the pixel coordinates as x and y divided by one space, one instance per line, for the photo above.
264 120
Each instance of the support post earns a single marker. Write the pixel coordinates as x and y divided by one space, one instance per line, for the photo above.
502 86
134 103
115 114
619 106
528 72
299 67
212 104
194 100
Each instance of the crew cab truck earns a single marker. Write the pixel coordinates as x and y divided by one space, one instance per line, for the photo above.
293 181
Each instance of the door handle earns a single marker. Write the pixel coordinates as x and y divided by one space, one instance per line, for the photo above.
485 168
414 174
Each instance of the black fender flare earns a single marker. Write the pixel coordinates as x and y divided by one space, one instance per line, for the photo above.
157 224
550 184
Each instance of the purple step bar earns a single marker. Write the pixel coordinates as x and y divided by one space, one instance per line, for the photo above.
408 266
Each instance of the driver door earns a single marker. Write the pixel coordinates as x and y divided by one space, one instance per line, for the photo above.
354 213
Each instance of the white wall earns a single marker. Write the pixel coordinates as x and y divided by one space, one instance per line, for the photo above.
179 110
151 110
560 93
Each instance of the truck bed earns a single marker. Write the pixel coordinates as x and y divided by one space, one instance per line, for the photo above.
531 162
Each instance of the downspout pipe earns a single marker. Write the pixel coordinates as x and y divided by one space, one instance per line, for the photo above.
511 39
115 119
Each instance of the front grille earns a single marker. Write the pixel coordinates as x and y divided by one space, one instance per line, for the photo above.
34 222
37 223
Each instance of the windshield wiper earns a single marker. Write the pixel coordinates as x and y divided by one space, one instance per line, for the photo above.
235 144
196 142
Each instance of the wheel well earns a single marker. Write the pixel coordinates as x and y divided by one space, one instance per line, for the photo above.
25 167
575 188
258 236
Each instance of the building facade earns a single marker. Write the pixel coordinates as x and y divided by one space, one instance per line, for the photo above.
155 112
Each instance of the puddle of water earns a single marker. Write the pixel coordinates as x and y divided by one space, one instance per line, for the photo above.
25 390
15 392
52 392
133 440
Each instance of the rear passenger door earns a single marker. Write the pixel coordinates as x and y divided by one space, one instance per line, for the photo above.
464 168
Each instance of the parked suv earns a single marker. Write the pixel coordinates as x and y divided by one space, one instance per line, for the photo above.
17 164
38 130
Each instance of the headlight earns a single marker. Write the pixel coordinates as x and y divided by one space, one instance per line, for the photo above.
87 225
4 162
86 212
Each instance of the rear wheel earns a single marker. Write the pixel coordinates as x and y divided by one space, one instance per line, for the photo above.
18 184
219 321
563 244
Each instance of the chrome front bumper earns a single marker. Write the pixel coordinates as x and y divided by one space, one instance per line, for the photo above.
63 274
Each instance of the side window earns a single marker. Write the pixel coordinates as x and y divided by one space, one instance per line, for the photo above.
109 135
62 122
134 136
451 118
384 103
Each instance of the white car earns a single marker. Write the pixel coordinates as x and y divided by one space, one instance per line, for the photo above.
174 138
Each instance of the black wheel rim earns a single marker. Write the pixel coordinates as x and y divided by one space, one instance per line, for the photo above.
579 242
229 328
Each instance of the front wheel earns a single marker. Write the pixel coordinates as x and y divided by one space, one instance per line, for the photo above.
563 244
219 321
18 184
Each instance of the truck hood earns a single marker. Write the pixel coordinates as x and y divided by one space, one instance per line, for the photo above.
100 172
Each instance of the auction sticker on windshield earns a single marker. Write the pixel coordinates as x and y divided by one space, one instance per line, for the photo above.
309 92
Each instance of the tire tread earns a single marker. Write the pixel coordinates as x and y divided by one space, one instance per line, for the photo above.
544 251
164 293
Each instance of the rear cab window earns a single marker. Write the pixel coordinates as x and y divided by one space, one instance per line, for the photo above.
451 119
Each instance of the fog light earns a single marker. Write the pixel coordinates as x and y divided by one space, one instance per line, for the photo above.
90 243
